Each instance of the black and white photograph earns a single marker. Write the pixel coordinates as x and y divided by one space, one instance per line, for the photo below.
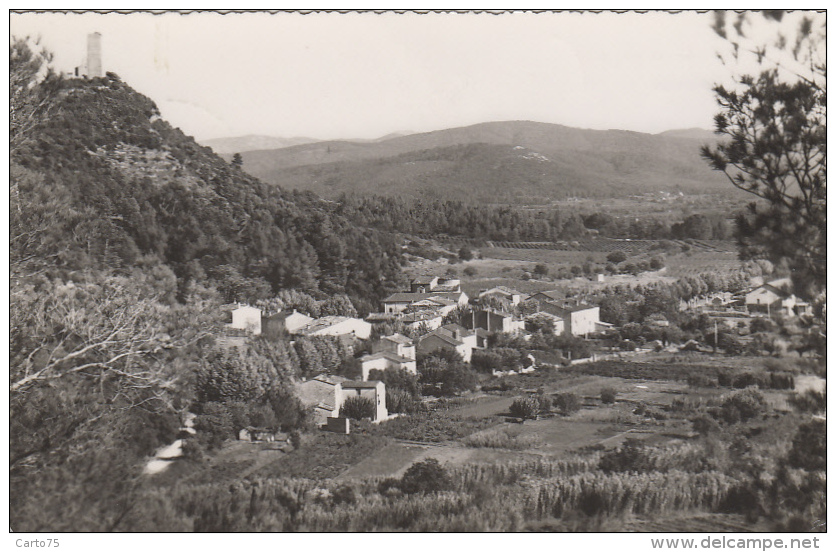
424 271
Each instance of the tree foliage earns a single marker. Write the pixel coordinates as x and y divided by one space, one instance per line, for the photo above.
775 147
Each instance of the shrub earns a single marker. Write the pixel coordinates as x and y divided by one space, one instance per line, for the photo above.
812 401
544 403
809 446
469 271
698 379
214 425
616 257
567 403
632 456
742 406
608 395
705 425
398 400
358 408
425 477
761 325
525 407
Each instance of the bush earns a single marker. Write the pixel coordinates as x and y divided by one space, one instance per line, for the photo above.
698 380
616 257
811 401
213 425
425 477
398 400
470 271
608 395
358 408
809 446
742 406
632 456
704 425
525 407
567 403
761 325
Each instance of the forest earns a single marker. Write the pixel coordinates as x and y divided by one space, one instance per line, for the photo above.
510 223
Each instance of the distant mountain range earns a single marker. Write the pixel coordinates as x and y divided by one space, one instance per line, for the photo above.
252 142
499 162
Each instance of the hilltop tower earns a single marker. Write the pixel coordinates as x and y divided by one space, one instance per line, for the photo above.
94 55
92 66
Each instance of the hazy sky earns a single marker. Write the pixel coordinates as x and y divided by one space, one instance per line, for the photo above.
366 75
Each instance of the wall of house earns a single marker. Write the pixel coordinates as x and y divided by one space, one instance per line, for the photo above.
375 394
583 322
433 343
247 318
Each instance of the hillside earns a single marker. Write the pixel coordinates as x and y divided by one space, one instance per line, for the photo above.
517 161
116 186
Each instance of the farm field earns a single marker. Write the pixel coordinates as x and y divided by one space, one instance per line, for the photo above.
512 264
541 464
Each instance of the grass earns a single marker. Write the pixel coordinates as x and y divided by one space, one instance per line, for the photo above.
432 427
324 456
502 438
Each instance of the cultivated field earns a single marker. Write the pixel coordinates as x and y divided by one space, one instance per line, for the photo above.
513 264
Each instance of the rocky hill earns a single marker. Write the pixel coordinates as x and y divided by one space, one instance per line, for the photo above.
113 185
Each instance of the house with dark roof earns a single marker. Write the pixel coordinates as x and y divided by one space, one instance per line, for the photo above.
493 320
451 337
505 294
553 295
275 324
399 302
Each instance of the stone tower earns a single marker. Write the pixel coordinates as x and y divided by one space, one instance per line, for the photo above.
94 55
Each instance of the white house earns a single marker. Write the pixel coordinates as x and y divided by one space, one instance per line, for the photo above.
771 300
383 360
337 326
326 394
375 391
245 317
557 322
578 319
398 344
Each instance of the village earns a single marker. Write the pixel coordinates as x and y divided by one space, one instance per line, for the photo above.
436 317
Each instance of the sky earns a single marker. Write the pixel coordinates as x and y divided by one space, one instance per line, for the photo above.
343 76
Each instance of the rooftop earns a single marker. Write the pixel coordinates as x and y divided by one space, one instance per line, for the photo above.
388 356
408 297
444 336
360 384
398 338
